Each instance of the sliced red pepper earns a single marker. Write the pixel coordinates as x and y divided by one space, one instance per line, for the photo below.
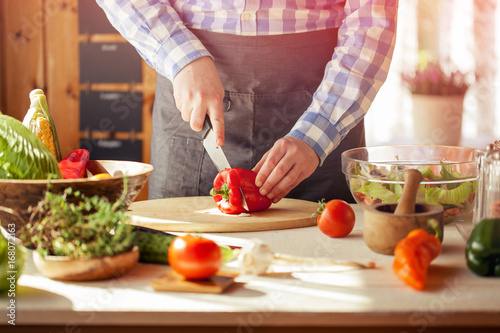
73 166
413 256
227 195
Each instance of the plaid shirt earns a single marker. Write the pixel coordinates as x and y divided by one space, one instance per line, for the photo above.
159 30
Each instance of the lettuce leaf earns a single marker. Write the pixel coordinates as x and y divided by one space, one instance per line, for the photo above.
379 191
455 196
22 154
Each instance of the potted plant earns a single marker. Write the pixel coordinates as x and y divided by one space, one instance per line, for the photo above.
80 238
438 90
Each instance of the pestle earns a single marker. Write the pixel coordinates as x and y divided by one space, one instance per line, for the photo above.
406 205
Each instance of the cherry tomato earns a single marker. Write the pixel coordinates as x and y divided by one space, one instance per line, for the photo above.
336 218
194 257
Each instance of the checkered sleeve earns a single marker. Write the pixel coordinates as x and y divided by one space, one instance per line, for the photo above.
352 78
156 31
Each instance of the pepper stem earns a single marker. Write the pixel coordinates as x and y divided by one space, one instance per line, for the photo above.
434 224
224 192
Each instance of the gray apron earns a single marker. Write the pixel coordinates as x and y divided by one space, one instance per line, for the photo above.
269 82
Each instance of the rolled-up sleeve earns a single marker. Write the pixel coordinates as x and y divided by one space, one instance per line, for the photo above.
357 70
155 29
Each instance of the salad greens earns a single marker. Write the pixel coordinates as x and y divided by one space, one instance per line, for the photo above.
448 189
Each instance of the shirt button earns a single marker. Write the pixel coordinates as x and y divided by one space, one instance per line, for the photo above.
247 16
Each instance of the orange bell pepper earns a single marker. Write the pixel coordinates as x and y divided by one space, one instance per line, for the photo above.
413 256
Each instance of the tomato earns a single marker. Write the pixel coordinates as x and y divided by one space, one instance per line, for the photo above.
194 257
336 218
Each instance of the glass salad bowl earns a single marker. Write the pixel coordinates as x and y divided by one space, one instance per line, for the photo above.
375 175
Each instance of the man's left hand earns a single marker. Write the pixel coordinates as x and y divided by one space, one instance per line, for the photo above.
284 166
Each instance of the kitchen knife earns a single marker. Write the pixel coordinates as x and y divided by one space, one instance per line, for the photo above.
216 154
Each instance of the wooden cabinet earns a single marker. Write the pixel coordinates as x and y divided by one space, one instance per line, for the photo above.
45 44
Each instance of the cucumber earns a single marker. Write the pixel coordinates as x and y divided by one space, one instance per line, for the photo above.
153 245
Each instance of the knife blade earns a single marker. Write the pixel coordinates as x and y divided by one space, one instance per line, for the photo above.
214 151
216 154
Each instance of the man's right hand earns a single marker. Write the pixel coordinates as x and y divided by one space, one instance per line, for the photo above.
198 92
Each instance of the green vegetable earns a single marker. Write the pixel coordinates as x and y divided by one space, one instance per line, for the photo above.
227 253
482 251
72 224
427 173
380 191
453 196
447 173
153 245
14 254
23 155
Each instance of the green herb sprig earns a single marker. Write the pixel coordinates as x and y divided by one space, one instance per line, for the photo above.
74 225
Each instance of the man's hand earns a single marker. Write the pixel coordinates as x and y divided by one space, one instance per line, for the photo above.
198 91
284 166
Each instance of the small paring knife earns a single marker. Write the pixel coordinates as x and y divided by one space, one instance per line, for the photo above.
216 154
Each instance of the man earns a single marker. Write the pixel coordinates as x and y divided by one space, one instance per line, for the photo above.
286 85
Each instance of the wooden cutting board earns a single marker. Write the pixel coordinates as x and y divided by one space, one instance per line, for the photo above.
173 281
200 214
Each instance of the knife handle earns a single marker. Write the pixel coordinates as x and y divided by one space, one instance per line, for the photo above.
207 126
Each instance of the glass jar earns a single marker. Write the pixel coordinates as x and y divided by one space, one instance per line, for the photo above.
487 203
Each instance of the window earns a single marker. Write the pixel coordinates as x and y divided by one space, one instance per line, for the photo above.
466 34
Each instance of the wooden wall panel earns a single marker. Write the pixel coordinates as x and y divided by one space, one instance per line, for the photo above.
149 84
2 11
39 48
22 59
2 102
61 52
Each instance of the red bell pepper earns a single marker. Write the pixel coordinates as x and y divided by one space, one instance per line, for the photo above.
227 194
74 165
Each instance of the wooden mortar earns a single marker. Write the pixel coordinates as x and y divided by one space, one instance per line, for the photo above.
386 224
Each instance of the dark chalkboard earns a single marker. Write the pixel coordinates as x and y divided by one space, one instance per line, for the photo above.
110 111
109 63
113 149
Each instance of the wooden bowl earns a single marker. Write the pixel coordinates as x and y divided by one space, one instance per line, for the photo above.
68 269
19 195
382 229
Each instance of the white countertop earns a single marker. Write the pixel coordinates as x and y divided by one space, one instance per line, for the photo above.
453 296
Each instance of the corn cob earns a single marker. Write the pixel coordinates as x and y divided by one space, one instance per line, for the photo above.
40 122
45 134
